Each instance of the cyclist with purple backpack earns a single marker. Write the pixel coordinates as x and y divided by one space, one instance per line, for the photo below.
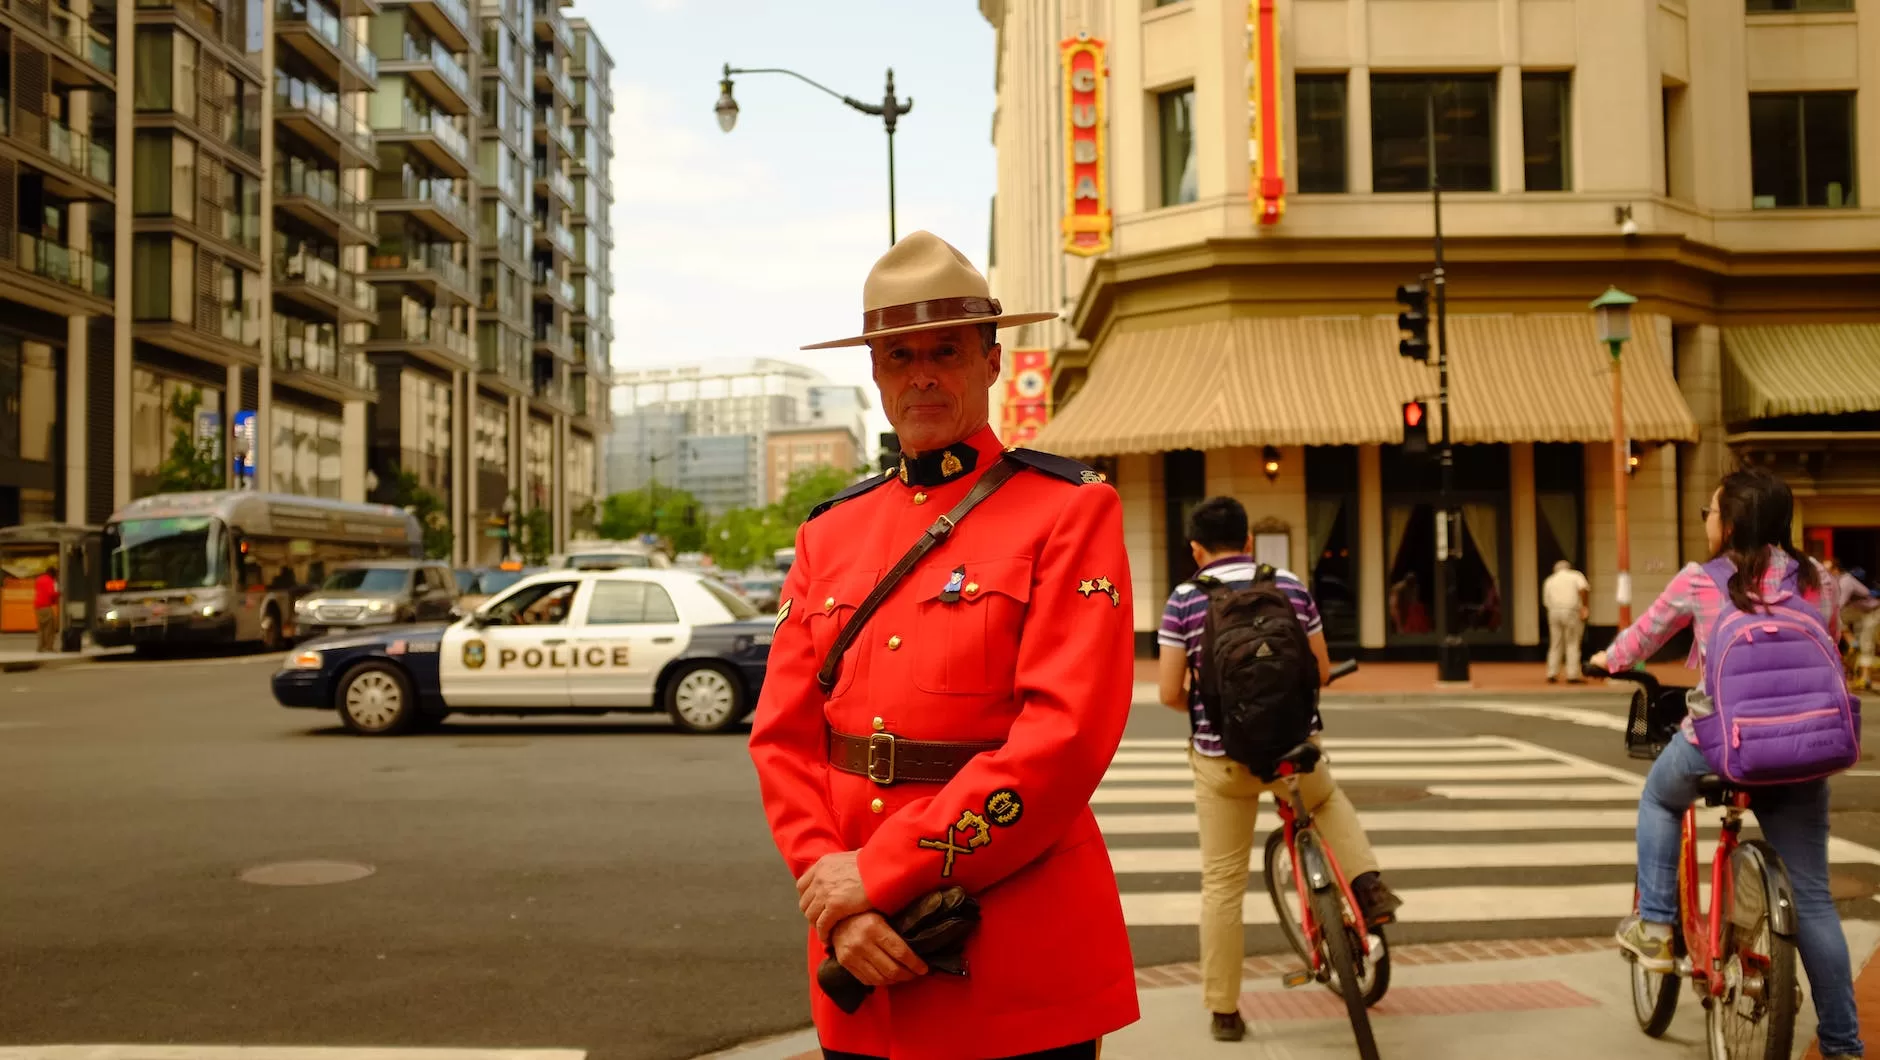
1772 715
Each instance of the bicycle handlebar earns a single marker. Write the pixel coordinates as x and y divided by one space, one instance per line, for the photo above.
1343 669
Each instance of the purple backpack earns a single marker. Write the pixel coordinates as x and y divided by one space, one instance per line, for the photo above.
1781 709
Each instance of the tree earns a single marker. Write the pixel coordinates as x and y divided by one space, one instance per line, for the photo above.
194 463
412 495
748 537
535 535
673 515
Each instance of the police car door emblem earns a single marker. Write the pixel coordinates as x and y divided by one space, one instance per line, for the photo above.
473 654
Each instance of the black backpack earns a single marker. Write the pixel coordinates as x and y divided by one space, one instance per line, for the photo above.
1258 679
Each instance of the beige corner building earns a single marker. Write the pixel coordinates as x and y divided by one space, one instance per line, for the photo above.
1706 158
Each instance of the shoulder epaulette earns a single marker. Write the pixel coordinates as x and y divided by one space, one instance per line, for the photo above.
853 491
1056 466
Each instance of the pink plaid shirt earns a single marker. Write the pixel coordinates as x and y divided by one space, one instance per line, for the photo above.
1693 597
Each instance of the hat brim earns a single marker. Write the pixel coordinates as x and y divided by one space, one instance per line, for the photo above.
1009 320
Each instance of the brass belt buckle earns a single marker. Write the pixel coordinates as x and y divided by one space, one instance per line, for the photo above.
876 743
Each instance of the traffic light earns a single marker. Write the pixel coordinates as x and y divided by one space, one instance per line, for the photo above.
1416 428
1415 320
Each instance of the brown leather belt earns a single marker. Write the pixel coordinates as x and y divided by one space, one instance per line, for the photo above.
888 759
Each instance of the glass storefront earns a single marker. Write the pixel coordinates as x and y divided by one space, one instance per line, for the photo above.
1410 528
176 434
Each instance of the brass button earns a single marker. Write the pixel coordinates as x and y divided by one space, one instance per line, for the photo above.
893 643
971 588
920 498
880 725
875 806
829 604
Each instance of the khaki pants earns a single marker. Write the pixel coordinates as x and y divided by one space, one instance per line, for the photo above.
48 628
1564 630
1227 800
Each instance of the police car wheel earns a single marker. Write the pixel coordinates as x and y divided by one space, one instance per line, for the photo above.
376 700
705 698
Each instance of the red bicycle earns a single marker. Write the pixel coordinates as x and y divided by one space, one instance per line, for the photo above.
1740 954
1317 910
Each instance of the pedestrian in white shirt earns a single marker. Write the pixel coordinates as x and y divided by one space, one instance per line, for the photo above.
1567 597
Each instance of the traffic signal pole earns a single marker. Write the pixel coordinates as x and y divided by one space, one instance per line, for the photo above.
1452 654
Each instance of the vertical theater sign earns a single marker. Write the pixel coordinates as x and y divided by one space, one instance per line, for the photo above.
1266 159
1086 222
1026 407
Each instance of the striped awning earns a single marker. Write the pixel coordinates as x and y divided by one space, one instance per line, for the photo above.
1800 370
1339 381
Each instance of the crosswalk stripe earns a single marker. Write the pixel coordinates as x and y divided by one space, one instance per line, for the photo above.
1431 905
1414 856
1537 770
1547 792
1333 743
1340 757
1384 822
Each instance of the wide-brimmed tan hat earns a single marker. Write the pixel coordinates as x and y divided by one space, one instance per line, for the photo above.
923 282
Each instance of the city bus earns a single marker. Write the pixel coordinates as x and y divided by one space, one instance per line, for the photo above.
225 567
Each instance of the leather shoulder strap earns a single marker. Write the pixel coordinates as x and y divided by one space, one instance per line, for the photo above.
998 475
853 491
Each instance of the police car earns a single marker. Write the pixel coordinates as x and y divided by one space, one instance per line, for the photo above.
556 642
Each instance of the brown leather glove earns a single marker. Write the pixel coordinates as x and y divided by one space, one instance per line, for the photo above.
935 927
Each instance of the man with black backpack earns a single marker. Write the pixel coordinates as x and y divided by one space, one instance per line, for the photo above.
1243 653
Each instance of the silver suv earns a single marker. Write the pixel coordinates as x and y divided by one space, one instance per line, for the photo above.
378 593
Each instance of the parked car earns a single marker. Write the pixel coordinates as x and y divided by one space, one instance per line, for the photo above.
378 593
556 642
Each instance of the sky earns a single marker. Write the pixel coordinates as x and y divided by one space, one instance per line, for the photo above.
756 242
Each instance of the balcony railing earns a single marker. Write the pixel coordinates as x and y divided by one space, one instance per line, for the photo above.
315 271
438 191
431 258
410 323
64 265
437 125
294 95
550 11
563 239
557 71
78 152
84 40
510 364
555 285
295 352
550 118
322 186
430 50
558 182
326 24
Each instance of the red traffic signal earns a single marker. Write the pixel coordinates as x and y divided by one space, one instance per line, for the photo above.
1416 427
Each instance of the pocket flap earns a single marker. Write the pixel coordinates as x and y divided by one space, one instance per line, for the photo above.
1009 577
837 596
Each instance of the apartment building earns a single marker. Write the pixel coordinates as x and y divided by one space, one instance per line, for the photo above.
1244 223
246 251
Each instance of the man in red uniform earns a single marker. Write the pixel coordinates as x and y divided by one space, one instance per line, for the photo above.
972 714
46 608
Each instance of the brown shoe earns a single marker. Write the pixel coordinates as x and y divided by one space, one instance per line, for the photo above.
1376 900
1228 1027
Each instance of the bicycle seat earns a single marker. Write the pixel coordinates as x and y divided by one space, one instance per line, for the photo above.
1302 758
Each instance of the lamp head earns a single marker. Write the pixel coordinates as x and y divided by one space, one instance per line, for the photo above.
727 108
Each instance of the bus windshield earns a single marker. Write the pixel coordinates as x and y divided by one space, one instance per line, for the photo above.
176 553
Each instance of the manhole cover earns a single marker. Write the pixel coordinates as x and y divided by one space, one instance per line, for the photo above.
306 873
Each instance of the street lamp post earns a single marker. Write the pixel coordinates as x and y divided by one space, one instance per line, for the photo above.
889 110
1612 317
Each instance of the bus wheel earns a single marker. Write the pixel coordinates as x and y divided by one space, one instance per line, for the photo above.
376 700
271 639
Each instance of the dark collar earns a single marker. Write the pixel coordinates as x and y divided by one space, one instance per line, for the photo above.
938 467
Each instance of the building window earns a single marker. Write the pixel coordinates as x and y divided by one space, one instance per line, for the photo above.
306 451
1177 115
1321 119
152 89
150 174
1801 148
1544 127
155 429
1433 128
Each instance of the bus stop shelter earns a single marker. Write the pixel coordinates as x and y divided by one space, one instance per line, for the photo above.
28 551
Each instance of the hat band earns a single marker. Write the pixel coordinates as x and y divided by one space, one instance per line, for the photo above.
933 311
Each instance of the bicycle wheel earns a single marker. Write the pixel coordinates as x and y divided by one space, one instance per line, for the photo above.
1374 977
1754 1019
1341 958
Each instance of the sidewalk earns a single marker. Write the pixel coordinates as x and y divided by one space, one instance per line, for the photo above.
1419 678
1540 999
18 652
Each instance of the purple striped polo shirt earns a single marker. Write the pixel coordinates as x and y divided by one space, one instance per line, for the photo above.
1187 613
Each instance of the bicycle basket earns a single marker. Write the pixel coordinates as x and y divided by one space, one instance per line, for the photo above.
1652 722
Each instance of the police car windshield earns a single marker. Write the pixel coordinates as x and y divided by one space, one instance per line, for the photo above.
367 580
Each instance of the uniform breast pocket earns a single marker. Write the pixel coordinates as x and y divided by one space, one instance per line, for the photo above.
969 626
829 605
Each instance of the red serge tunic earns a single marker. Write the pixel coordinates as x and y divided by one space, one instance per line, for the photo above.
1031 645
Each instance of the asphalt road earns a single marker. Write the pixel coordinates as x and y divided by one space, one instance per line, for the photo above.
602 886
